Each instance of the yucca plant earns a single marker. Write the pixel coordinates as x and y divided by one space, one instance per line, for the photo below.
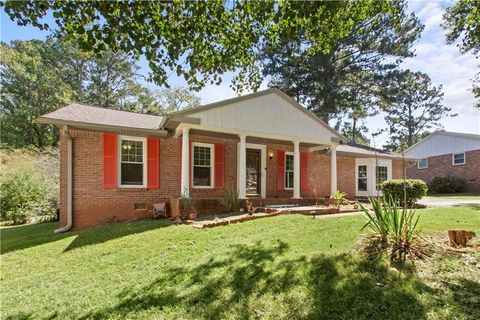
230 201
395 226
338 198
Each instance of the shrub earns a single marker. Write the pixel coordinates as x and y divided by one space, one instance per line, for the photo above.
24 198
448 184
230 200
187 204
416 189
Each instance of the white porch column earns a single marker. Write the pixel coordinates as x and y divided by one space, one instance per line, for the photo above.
296 170
242 172
185 175
333 168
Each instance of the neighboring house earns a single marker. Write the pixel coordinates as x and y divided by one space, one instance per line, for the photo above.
447 153
115 164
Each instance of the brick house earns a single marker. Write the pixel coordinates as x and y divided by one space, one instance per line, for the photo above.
445 153
116 164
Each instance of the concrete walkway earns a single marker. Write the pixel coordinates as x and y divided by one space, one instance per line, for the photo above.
449 202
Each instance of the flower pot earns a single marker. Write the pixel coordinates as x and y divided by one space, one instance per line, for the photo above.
192 216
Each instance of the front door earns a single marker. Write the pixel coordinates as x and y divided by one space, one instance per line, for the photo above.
253 172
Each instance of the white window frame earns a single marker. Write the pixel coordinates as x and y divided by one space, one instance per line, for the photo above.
212 163
358 164
119 161
464 159
426 164
285 169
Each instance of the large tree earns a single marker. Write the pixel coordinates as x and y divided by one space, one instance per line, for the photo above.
31 86
345 83
462 23
199 40
412 107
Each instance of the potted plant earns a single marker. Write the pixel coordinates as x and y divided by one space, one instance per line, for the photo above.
187 207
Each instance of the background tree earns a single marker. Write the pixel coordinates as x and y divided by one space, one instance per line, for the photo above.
199 40
31 86
413 106
346 81
38 77
462 22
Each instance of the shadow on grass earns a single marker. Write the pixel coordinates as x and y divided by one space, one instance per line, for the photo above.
27 236
255 281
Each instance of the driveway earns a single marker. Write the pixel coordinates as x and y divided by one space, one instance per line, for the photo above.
449 202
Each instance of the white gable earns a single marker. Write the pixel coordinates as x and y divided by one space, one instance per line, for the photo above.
269 115
443 143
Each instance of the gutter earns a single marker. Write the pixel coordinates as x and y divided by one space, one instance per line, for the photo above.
69 183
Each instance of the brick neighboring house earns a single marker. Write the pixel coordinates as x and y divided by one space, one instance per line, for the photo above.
114 165
447 153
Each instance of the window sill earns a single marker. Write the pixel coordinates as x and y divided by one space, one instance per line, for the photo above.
458 164
200 187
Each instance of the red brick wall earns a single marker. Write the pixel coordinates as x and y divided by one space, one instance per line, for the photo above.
441 166
94 205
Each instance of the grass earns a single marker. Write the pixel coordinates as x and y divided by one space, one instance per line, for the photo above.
285 267
465 195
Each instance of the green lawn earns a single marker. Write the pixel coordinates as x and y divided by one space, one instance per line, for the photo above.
285 267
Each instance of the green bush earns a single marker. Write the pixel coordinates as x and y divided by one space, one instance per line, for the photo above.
448 184
415 188
29 184
24 198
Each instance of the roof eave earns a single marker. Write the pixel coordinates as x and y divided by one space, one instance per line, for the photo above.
86 125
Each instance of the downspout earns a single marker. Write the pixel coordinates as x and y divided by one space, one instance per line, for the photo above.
69 183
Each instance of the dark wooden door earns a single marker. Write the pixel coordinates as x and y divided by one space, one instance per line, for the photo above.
253 171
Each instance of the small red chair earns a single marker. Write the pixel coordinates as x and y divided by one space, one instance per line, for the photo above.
159 210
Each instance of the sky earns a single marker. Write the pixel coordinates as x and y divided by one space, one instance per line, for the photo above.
443 63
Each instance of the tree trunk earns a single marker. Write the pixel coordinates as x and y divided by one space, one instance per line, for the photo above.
354 130
460 237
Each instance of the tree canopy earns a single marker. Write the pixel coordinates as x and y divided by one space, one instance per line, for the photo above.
462 23
412 107
198 40
38 77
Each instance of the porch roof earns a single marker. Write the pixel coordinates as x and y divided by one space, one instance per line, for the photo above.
360 151
266 114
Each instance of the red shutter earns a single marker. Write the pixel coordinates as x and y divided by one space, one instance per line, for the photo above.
303 171
109 160
153 168
219 166
280 169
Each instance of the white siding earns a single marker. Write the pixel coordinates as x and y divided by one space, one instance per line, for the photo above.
442 143
266 115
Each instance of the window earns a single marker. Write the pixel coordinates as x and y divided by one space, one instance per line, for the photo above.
458 158
362 178
132 162
423 164
382 175
288 171
202 165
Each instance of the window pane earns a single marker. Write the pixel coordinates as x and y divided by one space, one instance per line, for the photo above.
289 179
132 150
132 174
362 178
201 156
422 163
201 176
459 158
381 175
289 162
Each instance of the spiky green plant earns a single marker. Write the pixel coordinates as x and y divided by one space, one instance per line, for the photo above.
338 198
230 201
395 226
